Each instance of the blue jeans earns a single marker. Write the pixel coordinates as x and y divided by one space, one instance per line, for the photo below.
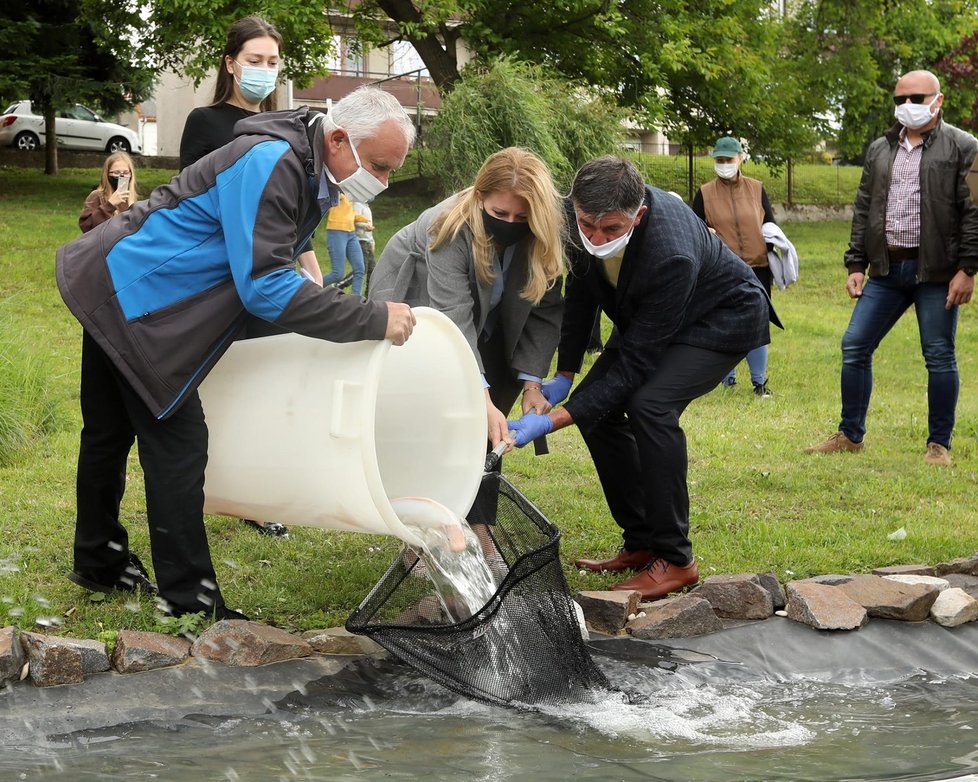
343 245
757 358
883 301
757 363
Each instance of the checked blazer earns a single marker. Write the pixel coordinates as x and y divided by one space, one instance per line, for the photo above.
678 284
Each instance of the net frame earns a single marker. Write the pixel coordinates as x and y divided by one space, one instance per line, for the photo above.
523 648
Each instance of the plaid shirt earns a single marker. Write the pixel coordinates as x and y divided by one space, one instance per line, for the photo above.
903 200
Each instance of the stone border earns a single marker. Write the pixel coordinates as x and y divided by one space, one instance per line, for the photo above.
50 661
945 594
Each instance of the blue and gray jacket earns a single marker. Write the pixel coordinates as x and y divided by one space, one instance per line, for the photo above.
167 285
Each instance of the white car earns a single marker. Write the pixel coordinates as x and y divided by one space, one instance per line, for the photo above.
77 128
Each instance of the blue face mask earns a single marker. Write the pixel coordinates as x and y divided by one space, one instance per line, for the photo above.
256 84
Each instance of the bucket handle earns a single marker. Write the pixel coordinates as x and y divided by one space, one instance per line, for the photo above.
343 424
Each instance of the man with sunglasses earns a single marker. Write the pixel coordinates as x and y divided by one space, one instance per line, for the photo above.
915 228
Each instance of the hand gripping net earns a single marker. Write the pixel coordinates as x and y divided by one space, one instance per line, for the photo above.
523 647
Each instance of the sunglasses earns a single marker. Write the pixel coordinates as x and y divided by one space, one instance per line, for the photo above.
899 100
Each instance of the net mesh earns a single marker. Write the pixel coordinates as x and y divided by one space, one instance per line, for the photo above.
523 647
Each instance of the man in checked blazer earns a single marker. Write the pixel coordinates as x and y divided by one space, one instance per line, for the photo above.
685 311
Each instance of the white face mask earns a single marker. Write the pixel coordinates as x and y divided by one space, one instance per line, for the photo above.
609 248
726 170
914 115
361 185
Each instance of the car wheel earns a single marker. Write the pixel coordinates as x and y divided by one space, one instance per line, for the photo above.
27 141
118 144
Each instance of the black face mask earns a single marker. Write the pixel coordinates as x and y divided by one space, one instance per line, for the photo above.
505 234
114 182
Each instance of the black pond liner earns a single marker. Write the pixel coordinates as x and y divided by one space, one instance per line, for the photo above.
523 648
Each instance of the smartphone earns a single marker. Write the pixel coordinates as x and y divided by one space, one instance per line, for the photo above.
123 183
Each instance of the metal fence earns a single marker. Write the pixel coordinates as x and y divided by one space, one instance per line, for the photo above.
790 184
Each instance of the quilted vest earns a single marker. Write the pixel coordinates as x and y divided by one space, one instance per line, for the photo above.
734 211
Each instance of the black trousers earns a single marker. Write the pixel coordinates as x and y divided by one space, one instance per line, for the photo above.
173 455
640 452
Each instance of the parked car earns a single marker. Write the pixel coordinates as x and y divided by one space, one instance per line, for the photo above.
77 128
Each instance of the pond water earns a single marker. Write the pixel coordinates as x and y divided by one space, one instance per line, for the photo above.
708 721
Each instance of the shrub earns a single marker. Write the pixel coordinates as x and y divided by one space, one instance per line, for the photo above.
507 103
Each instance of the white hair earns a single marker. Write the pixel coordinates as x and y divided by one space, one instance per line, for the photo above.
367 108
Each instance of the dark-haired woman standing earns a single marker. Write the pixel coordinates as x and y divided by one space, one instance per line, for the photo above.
246 80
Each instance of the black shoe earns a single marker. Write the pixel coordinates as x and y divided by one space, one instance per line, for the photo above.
761 390
133 578
223 612
268 528
215 614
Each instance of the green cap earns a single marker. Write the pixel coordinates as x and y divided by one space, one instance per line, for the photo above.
727 146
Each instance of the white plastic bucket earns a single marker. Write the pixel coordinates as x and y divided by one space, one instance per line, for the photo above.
321 434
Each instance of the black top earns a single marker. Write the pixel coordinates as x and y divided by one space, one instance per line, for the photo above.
211 127
208 128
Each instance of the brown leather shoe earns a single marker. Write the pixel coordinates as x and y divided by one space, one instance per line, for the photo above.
660 578
937 454
623 560
837 443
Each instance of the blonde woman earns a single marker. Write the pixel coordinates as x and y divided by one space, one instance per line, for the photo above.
115 194
491 258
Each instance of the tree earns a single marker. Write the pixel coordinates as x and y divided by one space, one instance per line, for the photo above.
958 70
698 69
58 61
850 53
188 37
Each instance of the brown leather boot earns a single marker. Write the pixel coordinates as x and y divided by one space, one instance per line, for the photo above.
660 578
623 560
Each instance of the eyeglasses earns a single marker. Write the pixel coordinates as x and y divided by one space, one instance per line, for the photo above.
917 97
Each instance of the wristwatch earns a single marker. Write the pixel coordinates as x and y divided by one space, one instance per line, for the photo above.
971 271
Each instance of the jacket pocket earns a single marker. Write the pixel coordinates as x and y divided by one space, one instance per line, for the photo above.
175 341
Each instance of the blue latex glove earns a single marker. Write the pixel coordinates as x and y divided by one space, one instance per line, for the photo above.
530 427
556 389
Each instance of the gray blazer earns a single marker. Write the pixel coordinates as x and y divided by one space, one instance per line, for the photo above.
445 279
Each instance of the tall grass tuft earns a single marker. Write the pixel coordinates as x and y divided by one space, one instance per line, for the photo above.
28 410
508 103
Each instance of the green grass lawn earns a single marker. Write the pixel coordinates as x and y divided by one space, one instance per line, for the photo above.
758 502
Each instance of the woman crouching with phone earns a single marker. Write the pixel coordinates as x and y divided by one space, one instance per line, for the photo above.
116 193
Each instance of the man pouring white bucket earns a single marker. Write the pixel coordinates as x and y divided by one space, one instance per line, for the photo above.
162 290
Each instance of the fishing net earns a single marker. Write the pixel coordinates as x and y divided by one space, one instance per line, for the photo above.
524 646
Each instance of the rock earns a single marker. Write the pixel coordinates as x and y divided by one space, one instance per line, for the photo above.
968 583
904 570
770 582
737 597
886 599
139 651
966 565
954 607
823 607
828 580
239 642
677 617
938 583
607 611
12 656
55 661
339 640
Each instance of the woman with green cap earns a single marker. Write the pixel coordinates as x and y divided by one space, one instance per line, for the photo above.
735 207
